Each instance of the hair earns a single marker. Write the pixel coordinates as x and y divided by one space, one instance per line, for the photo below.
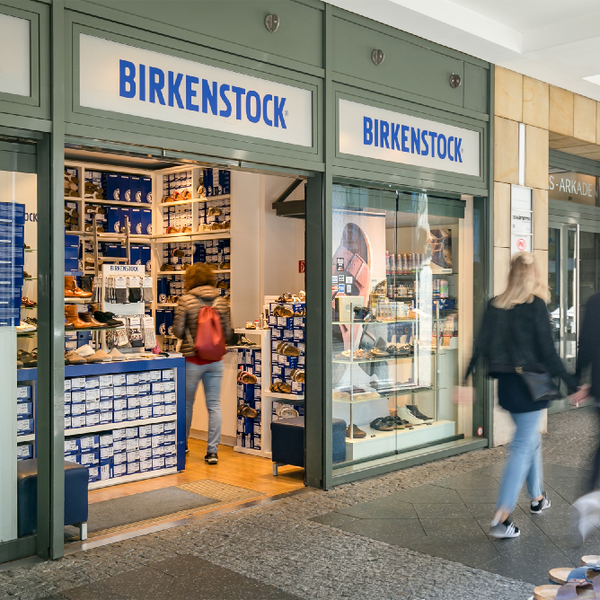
199 274
524 283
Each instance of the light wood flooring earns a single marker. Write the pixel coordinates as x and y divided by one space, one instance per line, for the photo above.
242 470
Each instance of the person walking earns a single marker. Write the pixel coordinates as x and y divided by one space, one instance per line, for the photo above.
516 324
588 506
201 291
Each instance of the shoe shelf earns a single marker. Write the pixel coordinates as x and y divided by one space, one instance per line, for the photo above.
356 398
30 249
194 200
287 398
118 425
118 203
96 328
29 307
95 485
78 300
186 237
30 279
28 334
349 361
167 304
244 331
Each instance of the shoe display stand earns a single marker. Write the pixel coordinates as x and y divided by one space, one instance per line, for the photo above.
183 237
421 369
174 367
249 429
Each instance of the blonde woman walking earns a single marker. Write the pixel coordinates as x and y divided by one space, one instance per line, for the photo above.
515 336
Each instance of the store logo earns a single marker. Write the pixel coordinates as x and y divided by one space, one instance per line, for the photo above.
187 92
412 140
394 137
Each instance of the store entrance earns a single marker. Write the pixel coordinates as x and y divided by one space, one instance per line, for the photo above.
573 276
142 236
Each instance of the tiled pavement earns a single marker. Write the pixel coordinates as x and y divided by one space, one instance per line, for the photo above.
450 519
417 534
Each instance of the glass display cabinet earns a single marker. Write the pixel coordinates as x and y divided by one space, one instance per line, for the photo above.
398 281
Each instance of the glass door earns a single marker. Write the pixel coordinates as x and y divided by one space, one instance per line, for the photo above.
573 277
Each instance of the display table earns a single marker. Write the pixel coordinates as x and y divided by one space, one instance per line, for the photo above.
124 420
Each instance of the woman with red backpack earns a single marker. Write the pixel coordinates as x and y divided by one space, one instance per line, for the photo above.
203 321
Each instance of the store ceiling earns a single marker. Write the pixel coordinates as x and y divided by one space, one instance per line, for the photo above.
557 41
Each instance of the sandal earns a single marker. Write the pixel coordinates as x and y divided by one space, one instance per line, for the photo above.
287 349
563 576
28 359
245 377
381 424
247 411
356 432
574 590
297 375
283 311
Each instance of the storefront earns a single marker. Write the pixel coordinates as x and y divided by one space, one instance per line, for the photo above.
287 166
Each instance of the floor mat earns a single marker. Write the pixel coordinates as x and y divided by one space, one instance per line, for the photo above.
220 491
148 508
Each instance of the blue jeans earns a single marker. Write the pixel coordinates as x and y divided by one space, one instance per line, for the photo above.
210 375
524 461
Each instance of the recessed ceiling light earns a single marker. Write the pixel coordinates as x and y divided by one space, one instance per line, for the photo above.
593 79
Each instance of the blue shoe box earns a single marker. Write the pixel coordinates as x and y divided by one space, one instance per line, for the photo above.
114 219
125 187
135 215
146 222
135 257
23 393
147 190
146 258
111 182
135 184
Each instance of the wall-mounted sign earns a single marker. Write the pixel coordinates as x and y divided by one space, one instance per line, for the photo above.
15 61
132 81
521 219
572 187
395 137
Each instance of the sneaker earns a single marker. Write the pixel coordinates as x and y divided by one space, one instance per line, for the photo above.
417 413
211 458
504 530
543 504
407 415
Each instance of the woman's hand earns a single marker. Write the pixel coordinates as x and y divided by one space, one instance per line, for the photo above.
580 396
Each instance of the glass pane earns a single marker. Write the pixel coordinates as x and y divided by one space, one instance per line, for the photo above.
395 288
554 283
571 293
18 267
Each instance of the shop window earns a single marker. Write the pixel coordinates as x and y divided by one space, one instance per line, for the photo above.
402 323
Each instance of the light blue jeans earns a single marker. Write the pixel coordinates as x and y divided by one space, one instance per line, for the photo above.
524 462
211 376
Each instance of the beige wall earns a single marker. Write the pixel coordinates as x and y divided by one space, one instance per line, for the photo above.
542 108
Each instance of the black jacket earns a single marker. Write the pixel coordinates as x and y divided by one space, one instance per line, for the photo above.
521 335
589 343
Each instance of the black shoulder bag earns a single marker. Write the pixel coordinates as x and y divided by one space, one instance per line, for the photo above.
540 385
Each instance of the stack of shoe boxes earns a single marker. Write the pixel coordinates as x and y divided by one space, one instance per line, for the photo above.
72 254
291 330
118 398
214 252
214 214
249 432
118 187
25 420
215 182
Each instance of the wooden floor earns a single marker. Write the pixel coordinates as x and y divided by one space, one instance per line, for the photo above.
234 468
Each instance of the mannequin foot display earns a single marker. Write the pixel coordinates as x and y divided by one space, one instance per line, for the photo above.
211 458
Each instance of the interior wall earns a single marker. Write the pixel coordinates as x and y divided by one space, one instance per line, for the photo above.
283 240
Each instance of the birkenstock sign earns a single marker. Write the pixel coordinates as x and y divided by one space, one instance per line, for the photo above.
395 137
123 79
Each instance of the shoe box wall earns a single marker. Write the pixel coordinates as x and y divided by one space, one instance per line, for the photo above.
123 420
